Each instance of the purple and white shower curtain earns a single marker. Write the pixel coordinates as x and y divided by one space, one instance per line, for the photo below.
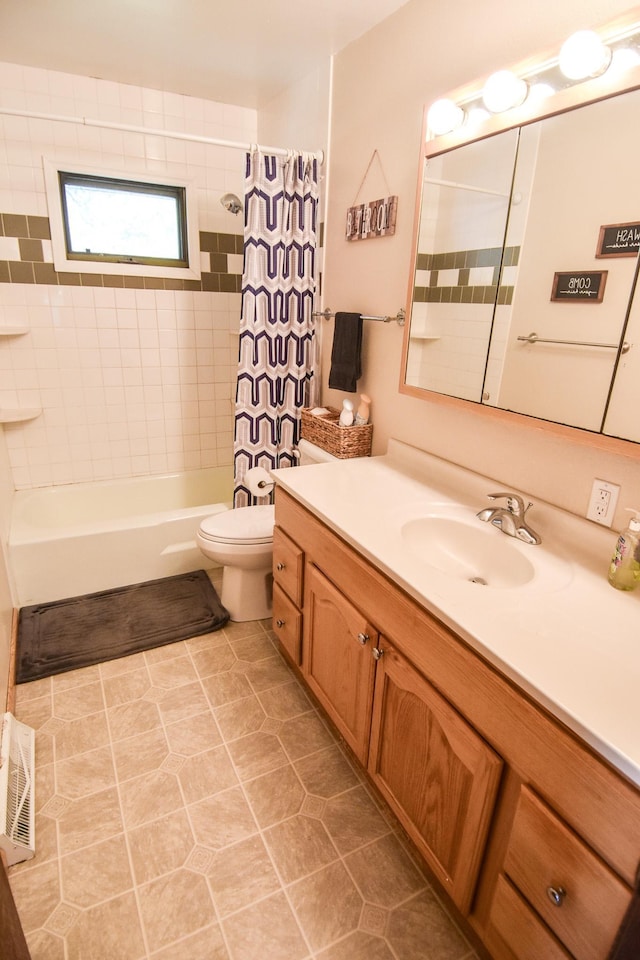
276 360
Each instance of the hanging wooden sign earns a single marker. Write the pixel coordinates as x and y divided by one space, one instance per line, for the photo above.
579 287
619 240
375 219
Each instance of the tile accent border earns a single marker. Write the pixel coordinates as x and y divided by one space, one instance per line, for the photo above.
463 261
34 267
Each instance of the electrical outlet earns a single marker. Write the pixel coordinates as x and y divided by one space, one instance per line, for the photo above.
602 504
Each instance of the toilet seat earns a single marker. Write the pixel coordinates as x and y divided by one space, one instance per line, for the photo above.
242 525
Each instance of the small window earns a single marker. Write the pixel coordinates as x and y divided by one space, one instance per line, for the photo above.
123 220
109 222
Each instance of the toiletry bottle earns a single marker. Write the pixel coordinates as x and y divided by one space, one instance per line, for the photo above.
362 413
624 570
346 416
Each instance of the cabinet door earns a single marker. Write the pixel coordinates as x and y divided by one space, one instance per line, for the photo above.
288 563
436 772
337 659
287 623
575 893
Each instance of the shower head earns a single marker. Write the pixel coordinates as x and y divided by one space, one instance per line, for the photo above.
231 203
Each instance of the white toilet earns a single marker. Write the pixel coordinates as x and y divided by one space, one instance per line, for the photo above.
241 540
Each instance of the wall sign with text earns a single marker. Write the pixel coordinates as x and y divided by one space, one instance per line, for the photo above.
374 219
619 240
579 287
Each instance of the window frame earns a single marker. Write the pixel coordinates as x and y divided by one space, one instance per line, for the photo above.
188 269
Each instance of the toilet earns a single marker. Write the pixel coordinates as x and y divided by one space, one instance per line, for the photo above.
241 540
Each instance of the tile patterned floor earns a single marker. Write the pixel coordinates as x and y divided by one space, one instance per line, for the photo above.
193 805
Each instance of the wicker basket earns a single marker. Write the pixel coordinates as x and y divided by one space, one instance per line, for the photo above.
343 442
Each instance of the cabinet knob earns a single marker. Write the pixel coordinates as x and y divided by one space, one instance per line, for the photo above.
279 566
556 895
377 653
279 623
363 638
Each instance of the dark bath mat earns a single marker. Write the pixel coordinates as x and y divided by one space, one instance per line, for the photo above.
80 631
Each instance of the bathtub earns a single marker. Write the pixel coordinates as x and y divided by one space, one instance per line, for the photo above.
69 540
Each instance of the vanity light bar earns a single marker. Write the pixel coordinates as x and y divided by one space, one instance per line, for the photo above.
584 55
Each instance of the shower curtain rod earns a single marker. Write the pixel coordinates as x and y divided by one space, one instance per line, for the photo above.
151 132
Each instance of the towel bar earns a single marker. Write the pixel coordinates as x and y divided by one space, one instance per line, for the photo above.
399 317
534 338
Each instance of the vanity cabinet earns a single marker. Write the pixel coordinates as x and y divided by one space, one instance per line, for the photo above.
509 809
568 887
337 660
434 770
437 774
288 567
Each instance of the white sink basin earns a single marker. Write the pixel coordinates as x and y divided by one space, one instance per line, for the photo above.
474 552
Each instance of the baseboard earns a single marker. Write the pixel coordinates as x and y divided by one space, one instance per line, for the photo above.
13 661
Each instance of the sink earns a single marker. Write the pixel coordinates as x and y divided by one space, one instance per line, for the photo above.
470 551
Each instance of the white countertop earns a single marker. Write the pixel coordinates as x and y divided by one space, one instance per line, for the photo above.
568 638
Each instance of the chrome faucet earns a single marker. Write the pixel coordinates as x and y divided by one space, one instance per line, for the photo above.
510 519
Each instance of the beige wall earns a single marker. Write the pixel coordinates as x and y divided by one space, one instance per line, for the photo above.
380 85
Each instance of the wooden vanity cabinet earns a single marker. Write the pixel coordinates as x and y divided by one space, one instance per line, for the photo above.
576 895
507 806
434 770
288 568
337 659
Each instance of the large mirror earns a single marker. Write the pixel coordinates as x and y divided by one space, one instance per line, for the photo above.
525 272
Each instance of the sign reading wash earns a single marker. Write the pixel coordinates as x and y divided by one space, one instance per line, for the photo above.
374 219
619 240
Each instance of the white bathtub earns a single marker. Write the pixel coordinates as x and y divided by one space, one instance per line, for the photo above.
79 538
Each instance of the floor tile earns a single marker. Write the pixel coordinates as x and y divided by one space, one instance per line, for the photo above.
384 873
299 846
265 931
192 804
240 875
161 846
341 905
173 907
96 873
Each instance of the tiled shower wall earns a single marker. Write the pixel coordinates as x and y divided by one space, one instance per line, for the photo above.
134 376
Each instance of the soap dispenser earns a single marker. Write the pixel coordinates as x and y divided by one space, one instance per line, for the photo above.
346 415
624 570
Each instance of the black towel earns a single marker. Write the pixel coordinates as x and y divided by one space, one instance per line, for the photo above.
346 365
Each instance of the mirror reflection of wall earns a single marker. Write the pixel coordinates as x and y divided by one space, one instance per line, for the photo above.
584 176
574 173
465 204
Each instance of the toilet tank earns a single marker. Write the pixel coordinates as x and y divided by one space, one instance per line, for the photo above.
310 453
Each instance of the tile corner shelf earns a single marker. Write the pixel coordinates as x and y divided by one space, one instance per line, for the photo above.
13 330
14 415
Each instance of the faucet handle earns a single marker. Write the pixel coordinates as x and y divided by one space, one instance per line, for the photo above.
515 503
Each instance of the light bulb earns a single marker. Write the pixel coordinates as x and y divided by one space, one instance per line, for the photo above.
503 90
584 55
477 115
444 116
625 58
540 91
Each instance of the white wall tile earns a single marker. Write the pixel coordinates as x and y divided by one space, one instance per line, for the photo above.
114 363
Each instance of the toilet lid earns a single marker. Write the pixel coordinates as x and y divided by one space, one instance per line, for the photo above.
246 524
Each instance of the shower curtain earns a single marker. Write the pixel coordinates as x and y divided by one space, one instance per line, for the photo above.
277 335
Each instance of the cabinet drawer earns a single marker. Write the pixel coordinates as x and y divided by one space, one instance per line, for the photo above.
288 561
544 855
287 623
519 928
